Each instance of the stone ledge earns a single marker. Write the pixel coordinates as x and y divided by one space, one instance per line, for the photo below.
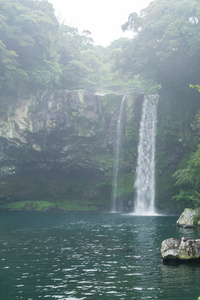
184 250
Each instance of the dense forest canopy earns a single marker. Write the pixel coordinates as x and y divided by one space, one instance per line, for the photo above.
38 53
166 43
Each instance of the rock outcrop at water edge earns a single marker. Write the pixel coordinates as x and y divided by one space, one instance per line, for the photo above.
189 218
184 250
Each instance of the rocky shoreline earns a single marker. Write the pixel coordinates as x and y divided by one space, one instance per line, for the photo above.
185 250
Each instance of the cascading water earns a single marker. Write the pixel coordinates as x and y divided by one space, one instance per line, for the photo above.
145 172
117 156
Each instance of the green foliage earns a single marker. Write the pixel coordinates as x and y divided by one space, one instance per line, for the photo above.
165 51
196 222
27 36
109 101
37 53
165 45
188 180
65 205
131 133
195 86
102 160
26 205
10 71
126 185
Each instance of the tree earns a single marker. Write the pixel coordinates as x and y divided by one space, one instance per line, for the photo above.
10 72
28 29
166 40
86 37
188 181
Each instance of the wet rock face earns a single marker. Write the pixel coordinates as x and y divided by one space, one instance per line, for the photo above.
57 128
180 250
58 111
59 145
45 141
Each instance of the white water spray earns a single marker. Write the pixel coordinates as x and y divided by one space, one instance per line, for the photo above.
145 172
117 156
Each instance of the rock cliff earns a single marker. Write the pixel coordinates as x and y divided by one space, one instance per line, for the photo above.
60 147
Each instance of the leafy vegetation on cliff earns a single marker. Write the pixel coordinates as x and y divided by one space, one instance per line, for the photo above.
188 178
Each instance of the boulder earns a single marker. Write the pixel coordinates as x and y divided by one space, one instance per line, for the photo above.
186 219
184 250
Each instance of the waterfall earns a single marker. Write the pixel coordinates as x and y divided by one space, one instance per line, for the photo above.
145 172
117 156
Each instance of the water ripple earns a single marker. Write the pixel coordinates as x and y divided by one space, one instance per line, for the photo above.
100 257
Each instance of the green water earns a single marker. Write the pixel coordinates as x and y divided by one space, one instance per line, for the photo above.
91 256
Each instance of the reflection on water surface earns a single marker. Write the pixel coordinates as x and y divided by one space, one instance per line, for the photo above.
91 256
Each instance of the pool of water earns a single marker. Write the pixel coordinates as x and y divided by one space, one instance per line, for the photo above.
91 256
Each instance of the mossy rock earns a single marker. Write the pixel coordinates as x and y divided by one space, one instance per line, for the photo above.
62 205
27 206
